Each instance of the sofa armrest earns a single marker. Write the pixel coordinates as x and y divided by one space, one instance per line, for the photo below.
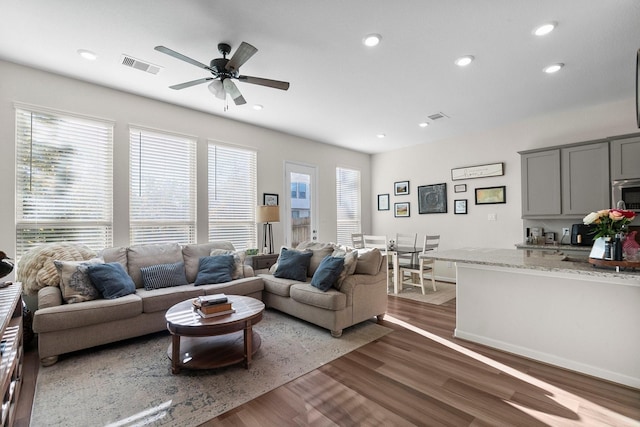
369 282
49 296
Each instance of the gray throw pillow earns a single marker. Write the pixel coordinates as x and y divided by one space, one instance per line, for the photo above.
111 280
327 273
293 264
214 269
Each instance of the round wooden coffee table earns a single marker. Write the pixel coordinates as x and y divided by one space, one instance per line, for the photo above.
206 343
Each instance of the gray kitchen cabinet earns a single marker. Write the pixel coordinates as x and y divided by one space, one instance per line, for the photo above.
567 181
586 185
541 183
625 158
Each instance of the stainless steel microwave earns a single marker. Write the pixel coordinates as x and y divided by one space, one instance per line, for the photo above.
627 190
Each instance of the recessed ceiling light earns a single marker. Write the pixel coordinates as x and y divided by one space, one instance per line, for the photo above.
381 135
463 61
553 68
371 40
545 29
423 124
258 107
87 54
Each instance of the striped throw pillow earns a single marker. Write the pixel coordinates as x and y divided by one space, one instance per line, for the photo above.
163 276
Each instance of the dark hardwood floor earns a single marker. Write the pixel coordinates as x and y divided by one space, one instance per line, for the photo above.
420 375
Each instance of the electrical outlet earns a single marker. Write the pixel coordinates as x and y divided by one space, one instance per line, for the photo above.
565 231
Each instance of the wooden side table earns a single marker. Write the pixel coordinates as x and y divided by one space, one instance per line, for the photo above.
261 262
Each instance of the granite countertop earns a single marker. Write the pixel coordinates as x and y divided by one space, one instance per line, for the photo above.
537 259
554 246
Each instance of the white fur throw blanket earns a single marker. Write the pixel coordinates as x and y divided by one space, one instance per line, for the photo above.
36 269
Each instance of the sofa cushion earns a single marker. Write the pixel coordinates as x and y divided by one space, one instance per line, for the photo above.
69 316
215 269
162 299
115 254
368 261
163 275
111 280
277 286
75 284
293 264
146 255
238 258
330 300
327 273
194 251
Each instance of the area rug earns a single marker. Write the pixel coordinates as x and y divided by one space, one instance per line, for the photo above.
130 383
445 292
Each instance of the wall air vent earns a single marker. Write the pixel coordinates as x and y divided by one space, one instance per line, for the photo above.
140 65
438 116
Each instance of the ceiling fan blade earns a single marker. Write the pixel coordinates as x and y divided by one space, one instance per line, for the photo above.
241 55
276 84
182 57
231 88
191 83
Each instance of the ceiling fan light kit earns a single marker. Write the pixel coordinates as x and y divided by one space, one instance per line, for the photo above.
223 71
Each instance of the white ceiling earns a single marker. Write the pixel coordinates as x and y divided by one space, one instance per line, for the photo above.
342 92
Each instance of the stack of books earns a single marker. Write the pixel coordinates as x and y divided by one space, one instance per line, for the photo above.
213 305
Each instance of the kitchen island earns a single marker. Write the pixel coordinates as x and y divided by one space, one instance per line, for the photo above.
540 305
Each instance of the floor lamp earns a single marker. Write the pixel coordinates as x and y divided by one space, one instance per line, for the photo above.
268 215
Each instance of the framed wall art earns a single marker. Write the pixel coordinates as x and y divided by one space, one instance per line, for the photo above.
480 171
460 206
460 188
401 188
269 199
383 202
432 198
491 195
401 210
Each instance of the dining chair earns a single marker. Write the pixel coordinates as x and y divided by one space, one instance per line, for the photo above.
379 242
357 240
424 265
408 243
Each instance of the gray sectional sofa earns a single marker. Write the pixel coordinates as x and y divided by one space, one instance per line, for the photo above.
64 327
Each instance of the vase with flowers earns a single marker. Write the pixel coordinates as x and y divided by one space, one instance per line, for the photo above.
608 224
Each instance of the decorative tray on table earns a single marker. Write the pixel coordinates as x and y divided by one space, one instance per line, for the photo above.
632 265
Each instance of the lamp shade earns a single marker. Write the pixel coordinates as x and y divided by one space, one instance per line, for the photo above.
268 214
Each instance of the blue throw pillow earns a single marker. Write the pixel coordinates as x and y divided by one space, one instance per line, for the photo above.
293 264
327 273
215 269
163 275
111 280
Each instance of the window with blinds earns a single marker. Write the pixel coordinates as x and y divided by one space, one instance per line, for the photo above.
64 180
162 197
232 195
348 204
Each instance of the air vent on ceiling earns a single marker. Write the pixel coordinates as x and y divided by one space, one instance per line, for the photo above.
438 116
139 65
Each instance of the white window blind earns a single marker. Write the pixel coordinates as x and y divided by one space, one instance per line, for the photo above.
348 204
64 180
163 188
232 195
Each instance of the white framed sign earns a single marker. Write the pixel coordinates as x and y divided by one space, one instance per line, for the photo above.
480 171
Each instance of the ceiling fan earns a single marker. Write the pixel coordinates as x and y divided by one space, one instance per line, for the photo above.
223 71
